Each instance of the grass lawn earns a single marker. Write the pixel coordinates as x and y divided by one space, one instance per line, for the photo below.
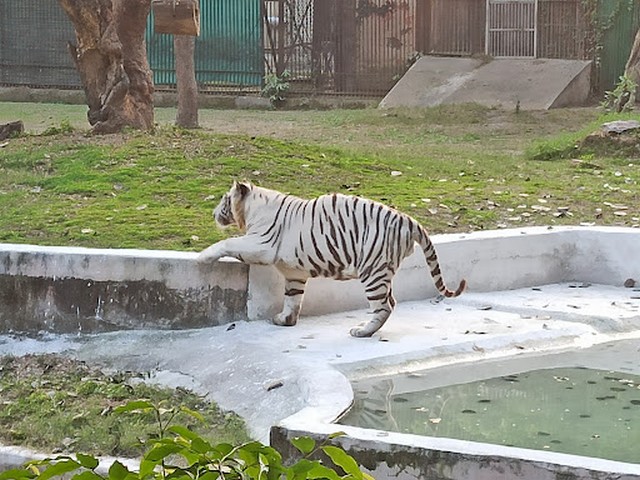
455 168
57 404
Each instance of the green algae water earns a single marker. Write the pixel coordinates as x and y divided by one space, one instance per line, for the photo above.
577 410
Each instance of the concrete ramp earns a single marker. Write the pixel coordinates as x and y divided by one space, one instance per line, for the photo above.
531 84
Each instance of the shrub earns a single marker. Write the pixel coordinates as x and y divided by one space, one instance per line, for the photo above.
623 97
178 453
276 88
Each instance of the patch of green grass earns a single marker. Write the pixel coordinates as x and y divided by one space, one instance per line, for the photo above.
64 127
57 404
462 168
561 147
572 144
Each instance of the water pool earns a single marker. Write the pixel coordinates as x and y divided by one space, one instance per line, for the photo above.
585 402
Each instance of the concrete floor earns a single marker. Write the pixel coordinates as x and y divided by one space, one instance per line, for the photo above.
267 373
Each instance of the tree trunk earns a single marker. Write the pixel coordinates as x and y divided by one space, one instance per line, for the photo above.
10 129
112 61
632 69
184 48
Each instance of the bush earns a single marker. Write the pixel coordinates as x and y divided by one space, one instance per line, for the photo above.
177 453
622 98
276 88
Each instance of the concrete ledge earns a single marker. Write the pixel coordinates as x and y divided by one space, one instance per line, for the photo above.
212 100
490 261
65 289
412 457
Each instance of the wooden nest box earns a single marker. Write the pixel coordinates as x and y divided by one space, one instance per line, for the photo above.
179 17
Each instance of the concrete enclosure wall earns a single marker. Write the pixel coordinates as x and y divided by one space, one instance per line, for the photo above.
78 289
411 457
489 261
65 289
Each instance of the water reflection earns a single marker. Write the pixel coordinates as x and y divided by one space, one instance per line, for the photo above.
581 411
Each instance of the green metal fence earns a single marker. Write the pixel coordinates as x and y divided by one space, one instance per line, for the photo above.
355 47
33 44
229 50
618 22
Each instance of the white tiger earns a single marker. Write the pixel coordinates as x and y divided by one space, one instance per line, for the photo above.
337 236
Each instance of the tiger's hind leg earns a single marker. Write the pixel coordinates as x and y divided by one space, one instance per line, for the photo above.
381 302
293 295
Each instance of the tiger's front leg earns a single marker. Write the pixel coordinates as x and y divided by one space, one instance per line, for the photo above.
246 249
293 295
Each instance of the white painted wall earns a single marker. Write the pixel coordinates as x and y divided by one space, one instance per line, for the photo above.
489 261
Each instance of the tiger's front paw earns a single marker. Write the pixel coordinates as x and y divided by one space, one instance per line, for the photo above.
285 320
209 255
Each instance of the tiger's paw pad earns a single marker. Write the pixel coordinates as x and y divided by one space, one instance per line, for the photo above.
285 320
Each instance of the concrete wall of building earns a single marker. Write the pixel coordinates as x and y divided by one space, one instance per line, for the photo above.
67 289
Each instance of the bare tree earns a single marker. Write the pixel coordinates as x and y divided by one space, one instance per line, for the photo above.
111 58
184 48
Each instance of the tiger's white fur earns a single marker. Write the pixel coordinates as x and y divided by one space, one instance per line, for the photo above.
337 236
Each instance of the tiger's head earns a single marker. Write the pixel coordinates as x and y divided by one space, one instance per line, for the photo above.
230 210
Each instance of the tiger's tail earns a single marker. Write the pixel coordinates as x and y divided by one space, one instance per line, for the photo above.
429 250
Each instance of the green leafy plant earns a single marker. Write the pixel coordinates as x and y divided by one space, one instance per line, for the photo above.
177 452
65 127
623 97
276 88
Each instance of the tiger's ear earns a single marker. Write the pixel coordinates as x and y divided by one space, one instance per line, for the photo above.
243 188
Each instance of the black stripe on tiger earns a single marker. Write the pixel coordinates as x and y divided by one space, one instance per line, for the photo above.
316 249
293 291
272 228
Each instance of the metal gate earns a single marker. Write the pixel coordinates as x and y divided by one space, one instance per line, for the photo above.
511 28
451 27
